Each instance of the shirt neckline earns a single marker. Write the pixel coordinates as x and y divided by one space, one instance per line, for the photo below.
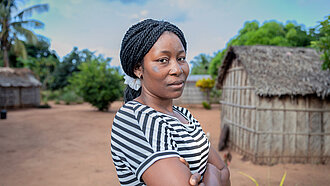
186 124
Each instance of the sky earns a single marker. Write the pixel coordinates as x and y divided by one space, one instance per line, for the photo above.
99 25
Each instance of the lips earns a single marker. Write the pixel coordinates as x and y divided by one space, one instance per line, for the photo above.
177 84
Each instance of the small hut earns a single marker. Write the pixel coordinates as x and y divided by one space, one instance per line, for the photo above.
276 103
192 94
18 88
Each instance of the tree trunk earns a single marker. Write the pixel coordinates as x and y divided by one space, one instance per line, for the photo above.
5 57
208 96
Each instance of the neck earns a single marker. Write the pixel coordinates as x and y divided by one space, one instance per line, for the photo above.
157 103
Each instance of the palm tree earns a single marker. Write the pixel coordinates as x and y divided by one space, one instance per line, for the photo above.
15 28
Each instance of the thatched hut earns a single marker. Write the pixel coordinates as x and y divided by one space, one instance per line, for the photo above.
276 103
18 88
192 94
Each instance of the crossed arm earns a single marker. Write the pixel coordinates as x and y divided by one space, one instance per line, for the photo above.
172 171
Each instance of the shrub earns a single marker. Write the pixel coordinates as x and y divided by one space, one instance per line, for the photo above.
206 105
206 86
97 84
69 96
215 95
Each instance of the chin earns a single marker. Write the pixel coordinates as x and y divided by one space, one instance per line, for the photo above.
176 95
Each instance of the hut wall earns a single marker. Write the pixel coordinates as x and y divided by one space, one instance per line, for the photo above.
293 130
191 95
238 109
30 96
9 97
271 130
19 96
326 130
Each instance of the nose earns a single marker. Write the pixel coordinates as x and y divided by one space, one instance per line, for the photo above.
175 68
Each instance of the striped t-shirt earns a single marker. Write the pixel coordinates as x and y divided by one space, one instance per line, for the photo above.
141 135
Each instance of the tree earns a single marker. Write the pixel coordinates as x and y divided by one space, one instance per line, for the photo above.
323 42
40 59
270 33
200 64
15 27
216 62
68 66
96 83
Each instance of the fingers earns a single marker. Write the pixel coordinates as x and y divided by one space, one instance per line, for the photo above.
225 177
194 179
184 161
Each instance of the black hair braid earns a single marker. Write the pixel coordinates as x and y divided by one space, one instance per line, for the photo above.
137 42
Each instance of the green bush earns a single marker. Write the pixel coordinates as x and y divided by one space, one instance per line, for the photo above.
206 105
97 84
215 95
69 96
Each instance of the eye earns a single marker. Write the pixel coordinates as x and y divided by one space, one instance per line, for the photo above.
163 60
182 59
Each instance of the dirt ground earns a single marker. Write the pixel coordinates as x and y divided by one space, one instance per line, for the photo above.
70 145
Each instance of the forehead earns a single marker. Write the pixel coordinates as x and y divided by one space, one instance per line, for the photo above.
168 40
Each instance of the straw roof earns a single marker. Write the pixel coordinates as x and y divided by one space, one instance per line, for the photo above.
18 77
277 71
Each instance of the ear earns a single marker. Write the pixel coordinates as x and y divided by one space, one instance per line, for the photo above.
138 71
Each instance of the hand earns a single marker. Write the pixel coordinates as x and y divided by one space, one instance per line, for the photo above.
195 178
214 176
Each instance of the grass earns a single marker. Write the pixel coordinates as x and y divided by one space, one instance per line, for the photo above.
255 181
65 96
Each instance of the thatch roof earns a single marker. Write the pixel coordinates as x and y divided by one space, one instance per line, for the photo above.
17 77
277 71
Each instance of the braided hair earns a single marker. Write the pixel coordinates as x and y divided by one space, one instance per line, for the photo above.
137 42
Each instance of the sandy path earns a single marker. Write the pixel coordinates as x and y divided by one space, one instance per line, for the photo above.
69 145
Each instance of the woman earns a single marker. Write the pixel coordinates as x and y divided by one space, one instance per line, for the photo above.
152 141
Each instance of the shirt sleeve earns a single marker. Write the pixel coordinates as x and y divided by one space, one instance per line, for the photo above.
141 138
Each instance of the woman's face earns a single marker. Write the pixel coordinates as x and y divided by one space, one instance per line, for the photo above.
165 68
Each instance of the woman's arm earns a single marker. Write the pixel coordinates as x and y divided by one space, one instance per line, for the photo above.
170 171
216 169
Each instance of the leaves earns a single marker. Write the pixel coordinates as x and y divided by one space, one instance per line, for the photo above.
205 84
96 83
283 178
250 177
200 64
323 44
15 29
23 14
270 33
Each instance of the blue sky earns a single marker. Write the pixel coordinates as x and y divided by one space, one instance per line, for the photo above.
208 25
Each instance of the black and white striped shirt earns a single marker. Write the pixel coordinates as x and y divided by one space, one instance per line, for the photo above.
141 135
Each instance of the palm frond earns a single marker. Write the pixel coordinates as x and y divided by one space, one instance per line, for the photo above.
28 11
19 48
27 34
31 23
5 10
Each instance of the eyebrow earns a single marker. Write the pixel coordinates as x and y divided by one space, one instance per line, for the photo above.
168 52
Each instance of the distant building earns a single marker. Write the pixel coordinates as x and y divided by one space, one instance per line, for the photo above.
18 88
276 102
192 94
